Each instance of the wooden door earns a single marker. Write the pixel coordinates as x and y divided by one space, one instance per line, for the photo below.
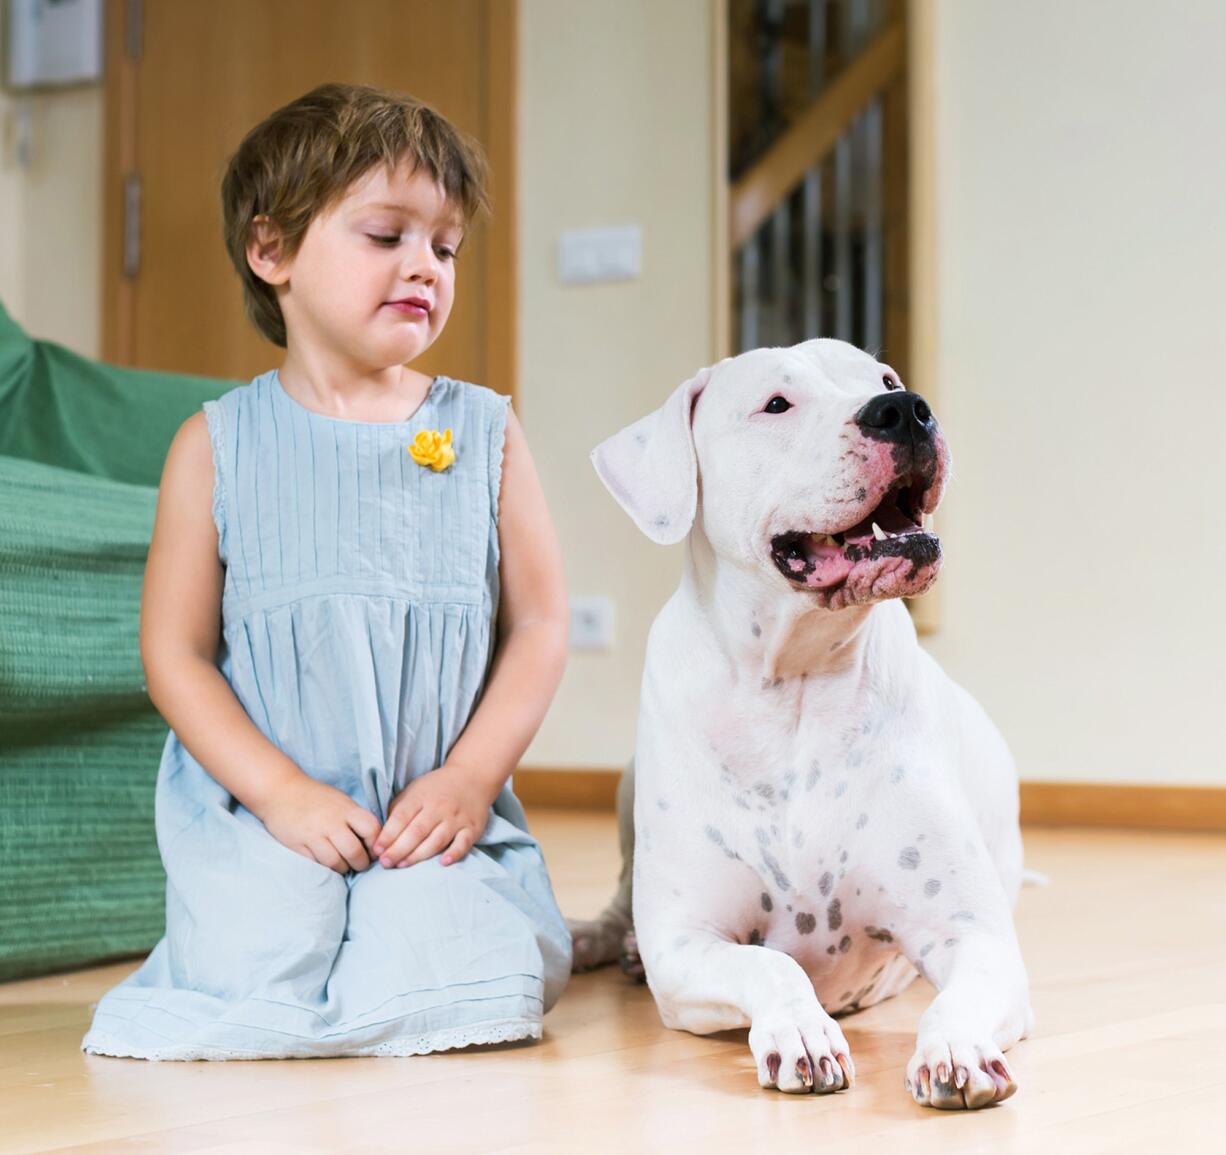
186 81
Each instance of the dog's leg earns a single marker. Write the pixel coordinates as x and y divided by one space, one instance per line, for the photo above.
703 983
981 1010
609 936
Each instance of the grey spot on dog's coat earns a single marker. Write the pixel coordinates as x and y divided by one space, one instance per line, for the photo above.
755 937
844 944
908 858
764 790
843 856
926 948
806 923
964 916
951 942
830 950
834 914
714 835
755 629
767 905
840 790
932 887
781 879
862 822
662 803
825 884
896 775
878 934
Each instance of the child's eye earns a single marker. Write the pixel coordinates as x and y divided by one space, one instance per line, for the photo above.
444 253
384 239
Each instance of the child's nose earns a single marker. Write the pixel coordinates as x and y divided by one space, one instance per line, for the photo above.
420 263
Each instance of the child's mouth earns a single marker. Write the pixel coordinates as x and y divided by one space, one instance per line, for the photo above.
411 306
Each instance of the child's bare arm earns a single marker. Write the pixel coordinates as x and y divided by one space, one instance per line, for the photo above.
179 634
447 809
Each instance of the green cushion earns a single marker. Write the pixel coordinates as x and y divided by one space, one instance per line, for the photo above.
103 420
81 450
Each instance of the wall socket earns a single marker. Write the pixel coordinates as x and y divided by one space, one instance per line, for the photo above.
591 623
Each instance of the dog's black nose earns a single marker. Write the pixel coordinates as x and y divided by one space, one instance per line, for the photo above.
897 417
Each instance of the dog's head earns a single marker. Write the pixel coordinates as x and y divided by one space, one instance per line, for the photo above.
815 466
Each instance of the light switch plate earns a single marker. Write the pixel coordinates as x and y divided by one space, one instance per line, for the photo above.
589 256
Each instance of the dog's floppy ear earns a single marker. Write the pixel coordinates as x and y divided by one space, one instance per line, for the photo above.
651 469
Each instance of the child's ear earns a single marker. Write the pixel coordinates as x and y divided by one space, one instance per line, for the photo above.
266 251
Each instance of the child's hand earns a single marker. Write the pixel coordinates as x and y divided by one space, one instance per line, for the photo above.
319 822
440 812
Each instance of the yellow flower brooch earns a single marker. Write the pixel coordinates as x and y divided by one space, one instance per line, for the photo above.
433 449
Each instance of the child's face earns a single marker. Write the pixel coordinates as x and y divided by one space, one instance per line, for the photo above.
374 277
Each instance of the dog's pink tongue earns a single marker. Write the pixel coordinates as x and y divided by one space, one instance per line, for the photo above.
829 565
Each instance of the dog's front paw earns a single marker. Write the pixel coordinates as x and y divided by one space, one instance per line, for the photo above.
958 1075
801 1052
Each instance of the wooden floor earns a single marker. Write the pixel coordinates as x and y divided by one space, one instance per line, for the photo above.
1127 956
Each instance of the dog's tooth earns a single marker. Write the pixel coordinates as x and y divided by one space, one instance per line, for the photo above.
878 532
830 539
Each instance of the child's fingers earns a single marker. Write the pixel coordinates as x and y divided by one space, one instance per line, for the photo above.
409 839
433 844
365 825
397 820
461 846
350 847
327 855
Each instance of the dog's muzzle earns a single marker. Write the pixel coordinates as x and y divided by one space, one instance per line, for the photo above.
887 552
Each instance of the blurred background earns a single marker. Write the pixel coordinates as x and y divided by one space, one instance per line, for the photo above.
1018 205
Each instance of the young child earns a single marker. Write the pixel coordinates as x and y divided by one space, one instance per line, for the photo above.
348 872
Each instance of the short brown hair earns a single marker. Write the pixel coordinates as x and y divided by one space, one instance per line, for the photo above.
301 159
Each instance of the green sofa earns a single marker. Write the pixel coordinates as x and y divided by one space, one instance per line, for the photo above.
81 453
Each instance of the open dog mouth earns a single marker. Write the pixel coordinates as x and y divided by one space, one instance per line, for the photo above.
820 561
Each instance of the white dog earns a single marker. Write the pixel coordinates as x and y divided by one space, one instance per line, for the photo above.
819 811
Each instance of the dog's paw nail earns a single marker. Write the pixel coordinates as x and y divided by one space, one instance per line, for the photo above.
772 1065
961 1077
942 1073
804 1071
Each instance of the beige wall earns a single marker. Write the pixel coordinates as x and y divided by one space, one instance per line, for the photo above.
51 216
1081 307
615 129
1078 305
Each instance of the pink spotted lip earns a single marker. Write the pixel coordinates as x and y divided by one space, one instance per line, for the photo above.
822 561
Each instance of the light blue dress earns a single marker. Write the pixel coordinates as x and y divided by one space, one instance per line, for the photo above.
361 591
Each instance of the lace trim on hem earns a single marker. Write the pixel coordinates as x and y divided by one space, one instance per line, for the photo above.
453 1038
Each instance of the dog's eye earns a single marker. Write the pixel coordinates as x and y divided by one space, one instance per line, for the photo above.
777 404
889 382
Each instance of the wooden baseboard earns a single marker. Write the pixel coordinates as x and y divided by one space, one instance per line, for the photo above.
592 789
1140 807
1043 803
